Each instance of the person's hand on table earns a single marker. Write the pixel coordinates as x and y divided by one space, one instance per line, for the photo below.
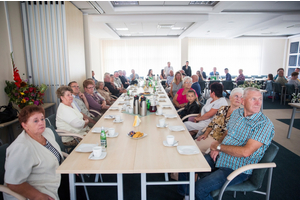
202 137
213 154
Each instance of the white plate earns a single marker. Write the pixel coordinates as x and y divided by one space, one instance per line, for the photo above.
176 128
85 148
139 137
121 102
158 114
115 135
188 150
170 145
160 92
109 117
98 130
118 121
114 108
162 96
103 155
170 115
166 106
158 126
161 100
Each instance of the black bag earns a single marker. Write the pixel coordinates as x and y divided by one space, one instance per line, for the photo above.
8 114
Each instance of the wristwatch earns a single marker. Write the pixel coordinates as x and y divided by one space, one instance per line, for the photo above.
219 147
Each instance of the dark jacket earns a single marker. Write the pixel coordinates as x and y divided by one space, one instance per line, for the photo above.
187 71
204 75
193 108
112 90
123 80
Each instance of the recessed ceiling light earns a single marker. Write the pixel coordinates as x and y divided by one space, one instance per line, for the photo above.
165 26
178 28
203 3
121 29
125 3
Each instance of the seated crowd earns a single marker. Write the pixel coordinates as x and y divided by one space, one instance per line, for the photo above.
229 136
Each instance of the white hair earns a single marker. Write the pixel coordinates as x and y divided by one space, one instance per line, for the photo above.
187 78
236 90
248 89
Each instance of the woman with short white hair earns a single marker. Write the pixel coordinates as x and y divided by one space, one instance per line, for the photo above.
180 99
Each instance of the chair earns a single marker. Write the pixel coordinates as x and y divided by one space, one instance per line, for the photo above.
255 181
277 88
227 85
4 188
202 86
289 90
240 83
211 82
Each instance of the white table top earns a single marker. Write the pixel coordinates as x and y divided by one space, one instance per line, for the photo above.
296 105
146 155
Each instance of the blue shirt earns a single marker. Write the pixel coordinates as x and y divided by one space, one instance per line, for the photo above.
169 79
76 104
240 129
212 73
197 88
228 77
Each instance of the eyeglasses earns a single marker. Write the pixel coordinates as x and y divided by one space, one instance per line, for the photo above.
90 87
188 82
75 87
237 97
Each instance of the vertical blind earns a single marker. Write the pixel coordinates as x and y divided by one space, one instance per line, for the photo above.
45 45
224 53
140 54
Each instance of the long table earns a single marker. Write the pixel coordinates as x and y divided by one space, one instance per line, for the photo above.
295 107
129 156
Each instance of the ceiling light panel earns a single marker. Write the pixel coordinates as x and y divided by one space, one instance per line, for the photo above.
151 3
177 3
125 3
203 3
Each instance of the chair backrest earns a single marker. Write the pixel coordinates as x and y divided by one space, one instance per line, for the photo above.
259 174
276 87
2 161
290 88
51 120
58 139
240 82
211 82
228 85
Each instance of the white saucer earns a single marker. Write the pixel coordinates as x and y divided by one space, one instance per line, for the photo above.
109 117
85 148
170 145
158 114
166 106
114 108
162 96
118 121
176 128
103 155
98 130
158 126
161 100
188 150
170 116
115 135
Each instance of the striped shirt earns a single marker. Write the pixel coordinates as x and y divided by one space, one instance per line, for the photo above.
54 151
240 129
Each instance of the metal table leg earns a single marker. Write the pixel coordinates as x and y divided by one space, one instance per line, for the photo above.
143 187
291 123
192 185
72 186
120 186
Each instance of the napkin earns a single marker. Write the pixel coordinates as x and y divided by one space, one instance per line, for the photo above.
137 121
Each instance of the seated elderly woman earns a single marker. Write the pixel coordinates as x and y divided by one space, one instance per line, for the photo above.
176 85
68 117
32 159
95 101
180 99
104 91
217 127
208 111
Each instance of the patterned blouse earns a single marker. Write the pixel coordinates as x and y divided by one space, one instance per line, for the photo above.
218 124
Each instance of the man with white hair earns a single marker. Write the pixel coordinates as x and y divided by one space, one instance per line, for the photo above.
249 134
196 86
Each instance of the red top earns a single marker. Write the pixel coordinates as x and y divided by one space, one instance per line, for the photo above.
182 98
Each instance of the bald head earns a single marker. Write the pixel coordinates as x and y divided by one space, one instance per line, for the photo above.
194 78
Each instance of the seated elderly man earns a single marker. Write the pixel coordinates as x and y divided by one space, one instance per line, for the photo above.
123 79
169 81
111 87
117 80
95 101
196 86
249 134
82 104
133 77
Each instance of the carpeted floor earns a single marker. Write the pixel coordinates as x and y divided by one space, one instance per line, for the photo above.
288 121
285 184
268 104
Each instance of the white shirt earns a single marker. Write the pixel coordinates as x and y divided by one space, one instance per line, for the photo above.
215 105
168 69
29 161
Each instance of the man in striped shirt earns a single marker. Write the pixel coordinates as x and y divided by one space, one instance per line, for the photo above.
249 134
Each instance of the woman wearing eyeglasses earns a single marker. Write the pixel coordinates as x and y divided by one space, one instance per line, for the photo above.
180 99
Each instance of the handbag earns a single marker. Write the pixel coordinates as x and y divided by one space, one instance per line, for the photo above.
8 114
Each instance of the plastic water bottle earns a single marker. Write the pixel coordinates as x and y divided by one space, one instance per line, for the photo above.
103 139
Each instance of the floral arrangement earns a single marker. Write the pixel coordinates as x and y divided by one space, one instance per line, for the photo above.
22 93
296 98
250 84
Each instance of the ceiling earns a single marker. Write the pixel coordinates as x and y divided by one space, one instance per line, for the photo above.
180 19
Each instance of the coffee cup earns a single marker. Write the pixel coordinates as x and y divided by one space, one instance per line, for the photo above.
97 151
111 131
118 118
159 111
170 139
130 110
162 122
124 106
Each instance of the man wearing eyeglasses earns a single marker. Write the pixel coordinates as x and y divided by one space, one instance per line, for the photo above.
82 104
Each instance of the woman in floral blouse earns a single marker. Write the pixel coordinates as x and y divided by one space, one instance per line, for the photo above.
217 127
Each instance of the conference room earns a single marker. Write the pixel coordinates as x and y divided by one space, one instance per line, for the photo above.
55 43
